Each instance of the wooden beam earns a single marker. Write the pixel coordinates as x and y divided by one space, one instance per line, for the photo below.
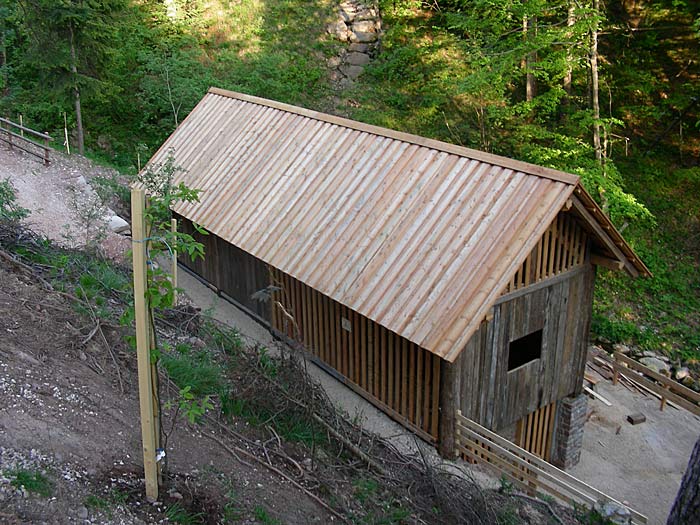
143 344
544 283
607 262
604 237
597 396
666 381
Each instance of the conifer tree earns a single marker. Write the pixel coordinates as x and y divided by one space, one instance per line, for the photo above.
68 42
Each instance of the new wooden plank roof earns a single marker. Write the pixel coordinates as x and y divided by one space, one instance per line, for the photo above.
418 235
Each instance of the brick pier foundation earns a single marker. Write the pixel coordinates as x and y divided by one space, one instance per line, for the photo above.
568 435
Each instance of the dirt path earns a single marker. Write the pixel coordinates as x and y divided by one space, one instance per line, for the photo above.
63 206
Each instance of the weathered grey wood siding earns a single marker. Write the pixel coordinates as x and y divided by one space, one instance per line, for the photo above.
497 398
229 269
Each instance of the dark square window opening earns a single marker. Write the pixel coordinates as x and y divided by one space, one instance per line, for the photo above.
524 350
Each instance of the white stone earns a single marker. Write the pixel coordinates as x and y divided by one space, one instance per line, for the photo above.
358 48
615 513
364 26
333 62
623 349
359 36
116 224
682 373
352 72
339 30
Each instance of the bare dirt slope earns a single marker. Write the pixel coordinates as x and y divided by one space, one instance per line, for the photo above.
63 206
69 414
62 413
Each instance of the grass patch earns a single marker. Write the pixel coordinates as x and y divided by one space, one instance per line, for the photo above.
32 481
388 511
97 502
661 313
176 513
261 516
195 370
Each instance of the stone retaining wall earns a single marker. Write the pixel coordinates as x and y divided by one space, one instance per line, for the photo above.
358 24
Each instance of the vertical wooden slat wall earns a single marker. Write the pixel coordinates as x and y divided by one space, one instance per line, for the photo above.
535 431
397 375
231 271
562 247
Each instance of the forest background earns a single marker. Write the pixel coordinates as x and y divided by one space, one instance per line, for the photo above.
606 90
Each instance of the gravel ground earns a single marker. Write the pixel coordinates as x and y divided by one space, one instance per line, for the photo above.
641 464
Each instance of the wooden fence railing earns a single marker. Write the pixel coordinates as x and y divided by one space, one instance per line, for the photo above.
668 390
18 140
525 470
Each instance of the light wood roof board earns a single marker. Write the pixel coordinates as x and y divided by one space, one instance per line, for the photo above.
418 235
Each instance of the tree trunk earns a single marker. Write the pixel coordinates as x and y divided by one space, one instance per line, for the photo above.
570 21
595 102
5 76
530 59
686 508
76 94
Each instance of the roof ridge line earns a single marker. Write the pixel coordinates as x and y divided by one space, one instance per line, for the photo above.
482 156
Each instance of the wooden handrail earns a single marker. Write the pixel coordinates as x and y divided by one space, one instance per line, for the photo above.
9 134
526 470
671 390
24 128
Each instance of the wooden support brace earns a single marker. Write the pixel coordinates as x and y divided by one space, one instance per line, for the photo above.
662 404
607 262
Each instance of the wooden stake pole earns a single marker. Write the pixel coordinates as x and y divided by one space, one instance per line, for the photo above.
143 344
173 229
663 399
66 143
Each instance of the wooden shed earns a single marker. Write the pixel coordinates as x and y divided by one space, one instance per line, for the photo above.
426 276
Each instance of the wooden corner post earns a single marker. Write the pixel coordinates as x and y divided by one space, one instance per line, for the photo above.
449 388
149 430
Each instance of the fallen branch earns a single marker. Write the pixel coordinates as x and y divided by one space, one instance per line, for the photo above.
106 344
344 440
543 504
234 451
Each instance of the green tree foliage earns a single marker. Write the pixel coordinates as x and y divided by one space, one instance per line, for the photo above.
67 46
464 78
140 67
508 76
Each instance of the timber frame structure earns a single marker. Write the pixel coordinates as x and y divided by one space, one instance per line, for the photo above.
428 277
